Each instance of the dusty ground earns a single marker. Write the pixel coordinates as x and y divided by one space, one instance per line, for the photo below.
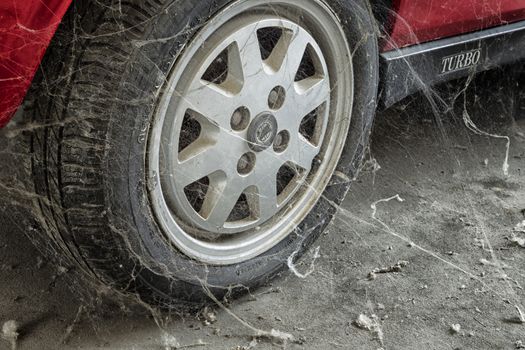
452 235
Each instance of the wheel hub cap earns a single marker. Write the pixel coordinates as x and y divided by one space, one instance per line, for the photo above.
262 132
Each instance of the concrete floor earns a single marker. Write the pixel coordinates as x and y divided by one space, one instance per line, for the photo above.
452 235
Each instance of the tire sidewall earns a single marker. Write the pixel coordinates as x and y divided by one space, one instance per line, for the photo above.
130 213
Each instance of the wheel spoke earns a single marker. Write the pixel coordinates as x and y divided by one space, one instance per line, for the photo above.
198 163
287 55
220 201
304 153
262 195
248 56
303 99
311 93
267 197
211 101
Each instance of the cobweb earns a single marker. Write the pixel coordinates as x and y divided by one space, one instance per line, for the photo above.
425 252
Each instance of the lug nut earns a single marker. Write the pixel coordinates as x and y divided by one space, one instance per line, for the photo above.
281 142
240 119
246 163
276 98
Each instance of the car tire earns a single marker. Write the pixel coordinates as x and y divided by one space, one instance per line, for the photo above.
97 98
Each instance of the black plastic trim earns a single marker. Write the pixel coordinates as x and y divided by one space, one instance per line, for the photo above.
411 69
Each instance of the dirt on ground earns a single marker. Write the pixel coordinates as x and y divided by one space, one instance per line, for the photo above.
427 252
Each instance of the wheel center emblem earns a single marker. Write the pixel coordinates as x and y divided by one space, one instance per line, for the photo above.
262 132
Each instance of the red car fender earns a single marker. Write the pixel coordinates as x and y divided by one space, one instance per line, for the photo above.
26 28
419 21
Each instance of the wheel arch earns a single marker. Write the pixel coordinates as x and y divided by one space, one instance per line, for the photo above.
383 11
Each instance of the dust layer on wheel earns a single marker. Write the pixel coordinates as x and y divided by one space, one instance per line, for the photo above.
249 123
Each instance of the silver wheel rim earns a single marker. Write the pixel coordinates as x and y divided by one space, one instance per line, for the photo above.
250 128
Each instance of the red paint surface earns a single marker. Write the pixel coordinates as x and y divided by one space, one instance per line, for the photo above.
419 21
26 28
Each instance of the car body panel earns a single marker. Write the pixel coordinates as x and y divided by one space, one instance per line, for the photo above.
419 67
418 21
26 28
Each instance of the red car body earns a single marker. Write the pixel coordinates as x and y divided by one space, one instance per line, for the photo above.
27 27
419 21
